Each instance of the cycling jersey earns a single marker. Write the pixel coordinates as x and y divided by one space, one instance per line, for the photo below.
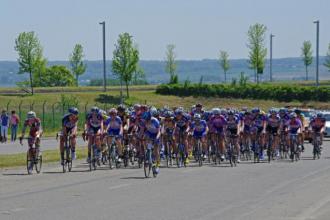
94 123
294 125
113 125
317 124
68 122
232 124
152 128
34 124
218 123
199 128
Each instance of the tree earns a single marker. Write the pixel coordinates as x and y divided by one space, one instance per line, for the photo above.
125 59
40 66
30 52
58 75
307 55
258 51
224 62
77 65
327 59
171 64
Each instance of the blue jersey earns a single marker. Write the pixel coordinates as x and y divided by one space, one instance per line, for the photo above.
67 123
113 123
199 127
153 126
4 120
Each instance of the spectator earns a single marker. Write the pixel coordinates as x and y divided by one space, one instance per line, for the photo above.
4 125
14 120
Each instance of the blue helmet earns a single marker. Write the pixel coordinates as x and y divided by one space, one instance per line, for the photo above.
73 111
146 116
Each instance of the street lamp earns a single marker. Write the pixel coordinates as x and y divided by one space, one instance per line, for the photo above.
271 58
104 60
317 50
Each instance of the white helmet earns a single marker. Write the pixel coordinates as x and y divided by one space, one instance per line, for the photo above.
31 114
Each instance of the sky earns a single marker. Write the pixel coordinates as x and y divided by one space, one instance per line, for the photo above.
198 28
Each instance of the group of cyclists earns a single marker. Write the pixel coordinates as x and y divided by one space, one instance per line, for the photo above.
217 135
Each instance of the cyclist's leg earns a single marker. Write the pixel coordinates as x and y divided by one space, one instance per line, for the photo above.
62 140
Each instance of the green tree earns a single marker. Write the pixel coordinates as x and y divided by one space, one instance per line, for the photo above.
307 55
171 63
258 50
76 62
58 75
125 59
224 62
29 54
40 66
327 59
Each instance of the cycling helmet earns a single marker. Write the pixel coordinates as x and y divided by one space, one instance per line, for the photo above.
136 106
297 111
223 111
199 105
168 114
319 115
197 117
216 111
73 111
146 116
256 110
95 109
112 111
231 112
282 111
293 115
121 108
179 111
272 111
31 114
102 112
154 111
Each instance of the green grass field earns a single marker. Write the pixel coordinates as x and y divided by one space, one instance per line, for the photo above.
48 156
53 109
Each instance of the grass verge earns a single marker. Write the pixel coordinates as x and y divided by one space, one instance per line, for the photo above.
15 160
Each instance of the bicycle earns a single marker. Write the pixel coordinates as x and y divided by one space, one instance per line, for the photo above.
258 149
112 152
283 146
168 147
67 163
149 161
181 155
317 145
198 151
93 155
246 146
294 150
33 158
215 149
232 152
270 150
128 152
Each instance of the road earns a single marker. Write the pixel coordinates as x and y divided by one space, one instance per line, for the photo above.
280 190
47 144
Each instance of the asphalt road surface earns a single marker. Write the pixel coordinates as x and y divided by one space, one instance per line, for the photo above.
46 144
280 190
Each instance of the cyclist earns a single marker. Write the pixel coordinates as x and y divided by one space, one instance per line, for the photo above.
233 129
199 130
259 129
115 128
318 125
69 129
301 135
152 134
35 131
218 126
273 128
181 126
167 130
94 131
294 127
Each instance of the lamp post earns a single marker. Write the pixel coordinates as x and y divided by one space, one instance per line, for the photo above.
104 59
317 50
271 58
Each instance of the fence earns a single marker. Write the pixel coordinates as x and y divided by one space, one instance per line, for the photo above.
51 113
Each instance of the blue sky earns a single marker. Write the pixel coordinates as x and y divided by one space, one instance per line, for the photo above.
198 28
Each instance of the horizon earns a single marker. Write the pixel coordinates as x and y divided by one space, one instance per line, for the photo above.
199 29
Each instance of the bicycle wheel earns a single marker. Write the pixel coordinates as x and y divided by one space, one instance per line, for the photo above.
200 159
28 164
38 163
69 159
147 165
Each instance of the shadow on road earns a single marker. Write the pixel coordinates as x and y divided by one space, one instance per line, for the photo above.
133 178
15 174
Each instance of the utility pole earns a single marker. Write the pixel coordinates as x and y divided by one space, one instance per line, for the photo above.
317 50
271 58
104 59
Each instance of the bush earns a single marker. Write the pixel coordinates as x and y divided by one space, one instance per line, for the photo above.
248 91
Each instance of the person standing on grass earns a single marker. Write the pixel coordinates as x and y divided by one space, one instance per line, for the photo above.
14 120
4 125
